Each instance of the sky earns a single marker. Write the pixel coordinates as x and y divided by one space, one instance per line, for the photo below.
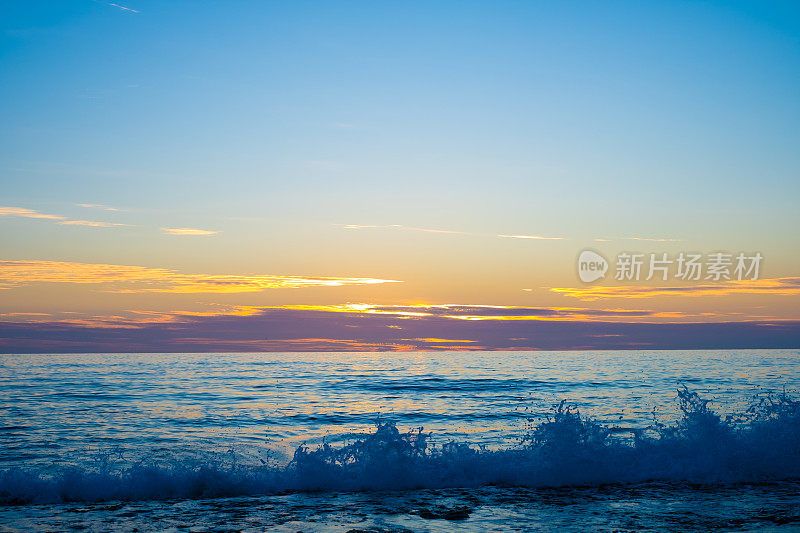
245 176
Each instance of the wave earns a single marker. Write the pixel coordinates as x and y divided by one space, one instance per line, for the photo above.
761 444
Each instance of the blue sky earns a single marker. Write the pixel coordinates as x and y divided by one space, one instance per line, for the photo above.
276 123
302 103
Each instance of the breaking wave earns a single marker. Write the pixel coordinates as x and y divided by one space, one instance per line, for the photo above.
761 444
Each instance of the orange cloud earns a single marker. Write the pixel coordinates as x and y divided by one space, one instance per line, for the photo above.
191 232
24 315
535 237
482 312
19 273
91 223
26 213
276 329
129 279
232 283
131 319
450 312
787 285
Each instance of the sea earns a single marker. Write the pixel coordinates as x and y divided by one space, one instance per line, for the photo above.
401 441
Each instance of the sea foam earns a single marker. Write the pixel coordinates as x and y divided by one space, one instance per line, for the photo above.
761 444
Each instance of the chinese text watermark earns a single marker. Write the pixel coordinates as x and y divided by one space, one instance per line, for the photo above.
685 266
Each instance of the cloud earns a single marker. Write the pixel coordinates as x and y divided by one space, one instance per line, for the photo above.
188 231
25 315
437 341
535 237
136 279
446 312
30 213
99 206
485 312
91 223
131 319
234 283
22 273
123 8
26 213
401 227
786 285
282 329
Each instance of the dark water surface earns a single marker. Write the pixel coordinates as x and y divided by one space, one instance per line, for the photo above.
331 441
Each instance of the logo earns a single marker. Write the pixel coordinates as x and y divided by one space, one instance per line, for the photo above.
591 266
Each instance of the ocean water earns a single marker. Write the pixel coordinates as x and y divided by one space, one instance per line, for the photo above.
424 441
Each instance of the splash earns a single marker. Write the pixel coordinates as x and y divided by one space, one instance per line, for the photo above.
761 444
